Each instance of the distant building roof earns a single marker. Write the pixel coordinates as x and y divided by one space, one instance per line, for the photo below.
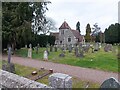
65 26
77 35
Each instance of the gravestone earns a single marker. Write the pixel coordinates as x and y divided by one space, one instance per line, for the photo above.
108 47
30 51
51 48
70 48
110 83
9 54
45 56
60 81
62 55
9 66
96 47
37 48
25 46
55 48
76 51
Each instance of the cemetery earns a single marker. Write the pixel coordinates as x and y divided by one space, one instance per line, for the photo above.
37 54
96 60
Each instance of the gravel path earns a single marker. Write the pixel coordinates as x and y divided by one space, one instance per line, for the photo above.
82 73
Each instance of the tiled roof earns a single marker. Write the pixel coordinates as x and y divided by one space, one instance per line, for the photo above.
65 26
77 35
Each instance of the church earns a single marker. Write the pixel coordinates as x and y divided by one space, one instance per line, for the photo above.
68 36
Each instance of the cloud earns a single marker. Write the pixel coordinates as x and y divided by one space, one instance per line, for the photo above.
104 12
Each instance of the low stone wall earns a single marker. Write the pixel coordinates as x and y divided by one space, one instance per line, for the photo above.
10 80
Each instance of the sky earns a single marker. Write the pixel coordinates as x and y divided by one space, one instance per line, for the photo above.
103 12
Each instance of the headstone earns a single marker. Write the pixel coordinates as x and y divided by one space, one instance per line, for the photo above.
110 83
70 48
55 48
108 47
9 54
30 51
37 48
25 46
62 55
76 51
9 66
45 57
59 80
96 48
51 48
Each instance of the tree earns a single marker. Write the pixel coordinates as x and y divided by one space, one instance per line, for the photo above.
112 33
95 32
16 23
88 33
96 29
78 26
39 18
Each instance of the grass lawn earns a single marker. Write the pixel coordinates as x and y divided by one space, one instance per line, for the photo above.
25 71
101 60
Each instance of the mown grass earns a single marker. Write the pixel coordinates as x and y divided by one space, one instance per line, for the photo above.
101 60
26 71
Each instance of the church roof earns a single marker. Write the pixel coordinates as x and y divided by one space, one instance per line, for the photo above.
76 33
65 26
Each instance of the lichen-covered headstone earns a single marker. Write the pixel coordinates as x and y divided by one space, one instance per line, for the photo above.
30 51
110 83
45 57
59 80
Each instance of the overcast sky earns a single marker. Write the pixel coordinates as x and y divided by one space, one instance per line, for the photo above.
103 12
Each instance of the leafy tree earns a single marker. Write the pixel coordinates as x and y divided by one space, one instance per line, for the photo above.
96 32
78 26
16 23
88 33
112 33
39 19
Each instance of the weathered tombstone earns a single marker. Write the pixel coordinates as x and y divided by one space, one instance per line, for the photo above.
96 48
25 46
110 83
59 80
9 66
9 54
62 55
37 48
108 47
51 48
30 51
76 51
70 48
45 56
55 48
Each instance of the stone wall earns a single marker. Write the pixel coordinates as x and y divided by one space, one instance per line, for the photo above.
10 80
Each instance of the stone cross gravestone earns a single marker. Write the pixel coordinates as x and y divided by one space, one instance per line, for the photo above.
9 54
59 80
30 51
110 83
9 66
45 56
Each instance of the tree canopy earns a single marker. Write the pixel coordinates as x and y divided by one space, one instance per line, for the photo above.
112 33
